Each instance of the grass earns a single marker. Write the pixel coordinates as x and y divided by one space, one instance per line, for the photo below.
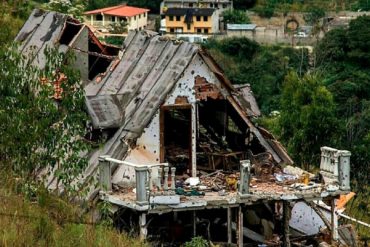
359 208
31 217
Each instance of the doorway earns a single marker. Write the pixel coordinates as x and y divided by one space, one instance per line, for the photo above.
176 137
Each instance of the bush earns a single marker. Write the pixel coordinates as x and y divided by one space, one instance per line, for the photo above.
197 242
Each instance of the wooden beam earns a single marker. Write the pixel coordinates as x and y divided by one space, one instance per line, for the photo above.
286 217
240 229
229 230
334 221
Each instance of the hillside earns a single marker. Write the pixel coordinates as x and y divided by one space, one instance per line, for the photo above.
30 216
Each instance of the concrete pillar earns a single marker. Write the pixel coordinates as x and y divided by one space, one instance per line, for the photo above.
141 197
229 229
334 221
286 217
105 174
194 216
165 181
239 229
159 181
245 171
344 170
193 140
143 226
92 20
173 180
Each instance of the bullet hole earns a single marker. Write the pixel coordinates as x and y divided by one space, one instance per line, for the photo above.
192 72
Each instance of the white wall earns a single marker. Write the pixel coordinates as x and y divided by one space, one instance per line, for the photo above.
147 150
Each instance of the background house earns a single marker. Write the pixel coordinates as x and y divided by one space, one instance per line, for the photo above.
192 20
219 5
136 18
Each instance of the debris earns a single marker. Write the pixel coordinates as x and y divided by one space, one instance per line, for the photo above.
165 200
193 192
296 171
286 178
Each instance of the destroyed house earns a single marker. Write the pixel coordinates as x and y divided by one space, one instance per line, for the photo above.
181 152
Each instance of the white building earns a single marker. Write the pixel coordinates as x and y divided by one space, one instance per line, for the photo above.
136 18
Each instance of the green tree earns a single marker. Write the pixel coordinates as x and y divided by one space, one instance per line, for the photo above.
73 8
42 117
236 17
314 15
358 40
12 15
307 119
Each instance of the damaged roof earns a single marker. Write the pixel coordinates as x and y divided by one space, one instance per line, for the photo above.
135 84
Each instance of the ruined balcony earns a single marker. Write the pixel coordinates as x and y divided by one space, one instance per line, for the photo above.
156 188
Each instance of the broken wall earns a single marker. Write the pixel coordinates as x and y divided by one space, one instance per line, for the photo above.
147 149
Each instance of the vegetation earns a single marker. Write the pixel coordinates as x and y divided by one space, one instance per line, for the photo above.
325 104
42 117
265 68
197 242
236 17
42 219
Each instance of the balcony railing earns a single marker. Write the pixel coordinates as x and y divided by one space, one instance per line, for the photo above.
335 164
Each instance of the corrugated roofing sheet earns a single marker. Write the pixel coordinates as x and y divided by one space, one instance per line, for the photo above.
245 27
133 87
42 30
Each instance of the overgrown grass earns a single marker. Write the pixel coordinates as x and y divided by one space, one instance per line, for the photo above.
31 217
359 208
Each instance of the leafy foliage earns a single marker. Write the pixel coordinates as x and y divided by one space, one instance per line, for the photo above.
12 15
245 61
236 17
314 14
74 8
36 129
307 120
197 242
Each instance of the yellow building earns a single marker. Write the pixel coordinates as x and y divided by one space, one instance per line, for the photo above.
192 20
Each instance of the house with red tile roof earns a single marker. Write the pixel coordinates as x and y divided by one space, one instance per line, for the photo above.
136 18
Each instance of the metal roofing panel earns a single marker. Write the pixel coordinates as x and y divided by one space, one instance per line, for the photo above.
113 81
105 110
44 34
246 27
36 17
246 100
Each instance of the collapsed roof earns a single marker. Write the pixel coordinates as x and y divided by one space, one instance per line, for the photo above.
128 91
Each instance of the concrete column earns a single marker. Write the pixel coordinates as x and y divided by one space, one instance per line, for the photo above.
193 140
141 173
194 216
165 181
103 19
92 20
344 170
286 217
239 229
245 170
105 174
143 226
334 221
229 229
159 181
173 180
